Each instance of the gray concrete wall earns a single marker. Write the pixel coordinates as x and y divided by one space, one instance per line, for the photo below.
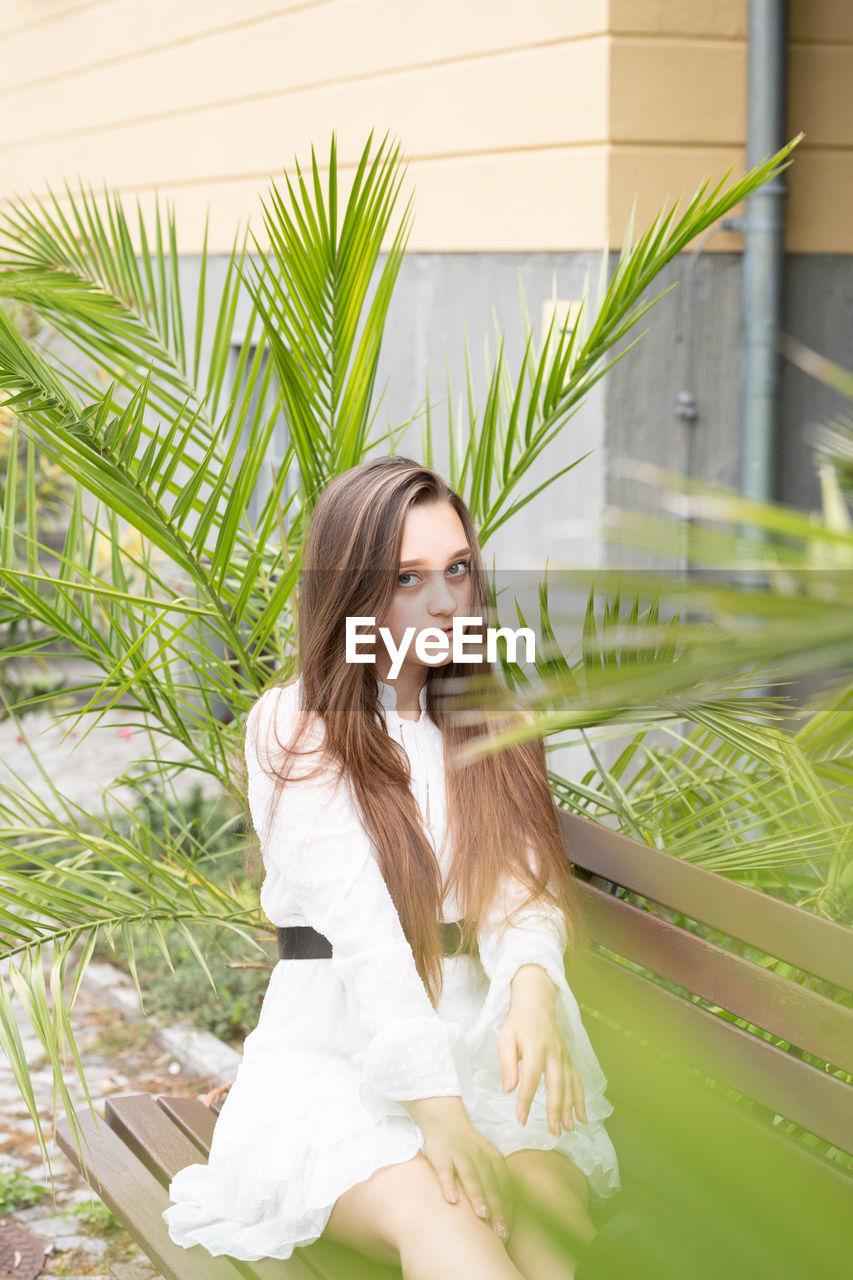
642 390
631 415
438 298
818 305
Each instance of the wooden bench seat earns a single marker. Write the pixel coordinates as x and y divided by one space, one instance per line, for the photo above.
680 1025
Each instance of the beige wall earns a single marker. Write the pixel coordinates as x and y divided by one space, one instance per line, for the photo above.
501 108
678 110
526 126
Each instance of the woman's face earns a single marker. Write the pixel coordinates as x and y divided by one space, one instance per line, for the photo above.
433 581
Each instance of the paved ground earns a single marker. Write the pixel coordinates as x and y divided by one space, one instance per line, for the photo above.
79 763
118 1057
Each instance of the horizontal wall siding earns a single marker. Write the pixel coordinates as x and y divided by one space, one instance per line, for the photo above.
678 112
596 105
542 96
506 201
677 90
808 19
20 15
819 181
821 95
73 37
203 106
821 192
720 18
649 178
828 20
678 107
309 37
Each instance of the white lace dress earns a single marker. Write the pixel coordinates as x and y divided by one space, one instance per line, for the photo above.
342 1042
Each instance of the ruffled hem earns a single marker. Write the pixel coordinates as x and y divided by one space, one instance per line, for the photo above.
271 1202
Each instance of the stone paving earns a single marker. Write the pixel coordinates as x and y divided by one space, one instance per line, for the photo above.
118 1057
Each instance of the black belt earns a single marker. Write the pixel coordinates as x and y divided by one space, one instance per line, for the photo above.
301 942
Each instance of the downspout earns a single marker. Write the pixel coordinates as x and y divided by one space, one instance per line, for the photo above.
764 249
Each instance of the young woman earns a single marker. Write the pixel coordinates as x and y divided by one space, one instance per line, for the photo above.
418 1047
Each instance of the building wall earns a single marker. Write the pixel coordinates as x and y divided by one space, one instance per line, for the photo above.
678 111
439 299
678 74
530 132
641 391
527 127
501 108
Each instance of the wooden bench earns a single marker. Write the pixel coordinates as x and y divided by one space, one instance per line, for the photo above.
763 1201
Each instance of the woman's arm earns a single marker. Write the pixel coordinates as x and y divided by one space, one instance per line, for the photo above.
531 1032
512 938
326 865
532 983
523 958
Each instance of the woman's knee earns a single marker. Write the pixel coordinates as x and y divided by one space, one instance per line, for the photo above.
396 1205
419 1202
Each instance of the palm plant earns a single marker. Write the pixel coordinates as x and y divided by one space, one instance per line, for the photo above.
198 613
770 804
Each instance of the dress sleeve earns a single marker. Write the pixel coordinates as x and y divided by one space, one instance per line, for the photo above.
322 854
536 934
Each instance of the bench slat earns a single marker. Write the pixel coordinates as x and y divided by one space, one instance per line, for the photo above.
150 1134
633 1071
137 1199
804 940
804 1018
819 1102
192 1117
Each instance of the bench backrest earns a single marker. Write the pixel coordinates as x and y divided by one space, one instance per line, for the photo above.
706 986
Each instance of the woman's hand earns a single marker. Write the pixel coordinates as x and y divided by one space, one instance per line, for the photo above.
531 1034
455 1149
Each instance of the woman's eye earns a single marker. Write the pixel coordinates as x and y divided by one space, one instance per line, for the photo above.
461 565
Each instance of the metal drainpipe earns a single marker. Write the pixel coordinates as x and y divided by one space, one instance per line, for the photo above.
764 229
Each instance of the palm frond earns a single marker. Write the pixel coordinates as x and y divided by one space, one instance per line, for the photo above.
323 307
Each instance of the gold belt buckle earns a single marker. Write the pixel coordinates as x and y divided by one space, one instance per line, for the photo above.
451 937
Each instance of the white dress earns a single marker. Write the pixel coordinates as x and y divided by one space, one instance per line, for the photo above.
341 1042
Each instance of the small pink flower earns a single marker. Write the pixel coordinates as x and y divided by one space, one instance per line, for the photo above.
125 731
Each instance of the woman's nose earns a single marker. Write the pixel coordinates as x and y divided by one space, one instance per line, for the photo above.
441 599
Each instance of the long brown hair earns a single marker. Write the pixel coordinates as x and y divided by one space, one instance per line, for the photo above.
499 804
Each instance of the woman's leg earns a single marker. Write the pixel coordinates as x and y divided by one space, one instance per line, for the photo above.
550 1179
399 1216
